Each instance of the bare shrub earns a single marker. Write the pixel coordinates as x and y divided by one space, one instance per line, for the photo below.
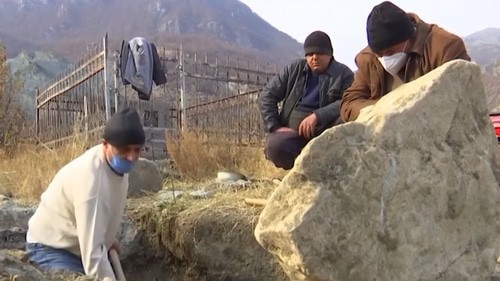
199 156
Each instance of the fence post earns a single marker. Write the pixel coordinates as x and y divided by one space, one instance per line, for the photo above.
107 107
85 114
182 75
116 69
37 114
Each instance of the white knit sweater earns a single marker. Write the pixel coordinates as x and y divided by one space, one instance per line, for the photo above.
81 211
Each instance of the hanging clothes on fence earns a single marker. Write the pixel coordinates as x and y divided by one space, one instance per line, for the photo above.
141 66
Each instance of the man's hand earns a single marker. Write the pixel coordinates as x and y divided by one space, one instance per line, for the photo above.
116 245
284 129
307 126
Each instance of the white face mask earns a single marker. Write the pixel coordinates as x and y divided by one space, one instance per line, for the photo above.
393 63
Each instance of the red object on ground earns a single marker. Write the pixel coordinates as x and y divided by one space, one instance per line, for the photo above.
495 119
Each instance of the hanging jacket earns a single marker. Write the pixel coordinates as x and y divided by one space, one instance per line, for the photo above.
140 66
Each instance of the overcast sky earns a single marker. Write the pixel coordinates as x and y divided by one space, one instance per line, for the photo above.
345 21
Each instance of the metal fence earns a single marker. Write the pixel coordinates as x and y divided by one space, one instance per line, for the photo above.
220 96
213 95
77 99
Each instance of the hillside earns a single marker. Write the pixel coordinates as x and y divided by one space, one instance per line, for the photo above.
35 69
484 46
203 25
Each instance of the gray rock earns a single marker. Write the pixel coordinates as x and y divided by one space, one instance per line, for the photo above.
144 178
14 224
201 194
232 179
11 266
496 274
130 240
411 194
167 195
167 169
224 176
238 184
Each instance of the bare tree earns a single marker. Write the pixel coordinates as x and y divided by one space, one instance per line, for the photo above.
12 118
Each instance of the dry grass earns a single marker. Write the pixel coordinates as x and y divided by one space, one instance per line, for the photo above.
176 226
27 173
199 157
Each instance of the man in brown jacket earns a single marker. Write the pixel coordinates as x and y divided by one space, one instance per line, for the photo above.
401 48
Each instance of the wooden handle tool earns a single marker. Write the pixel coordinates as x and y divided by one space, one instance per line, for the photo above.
117 266
255 201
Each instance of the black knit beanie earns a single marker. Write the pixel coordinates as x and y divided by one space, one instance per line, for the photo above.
388 25
124 128
318 42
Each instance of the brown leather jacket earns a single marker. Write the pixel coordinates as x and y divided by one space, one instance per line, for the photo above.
431 47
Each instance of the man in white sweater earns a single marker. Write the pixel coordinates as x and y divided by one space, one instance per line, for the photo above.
78 218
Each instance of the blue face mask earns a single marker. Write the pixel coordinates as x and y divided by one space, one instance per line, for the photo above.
121 165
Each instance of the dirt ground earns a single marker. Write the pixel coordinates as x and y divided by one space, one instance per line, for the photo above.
207 239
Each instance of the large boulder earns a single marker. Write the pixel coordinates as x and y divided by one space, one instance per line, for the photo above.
406 192
144 178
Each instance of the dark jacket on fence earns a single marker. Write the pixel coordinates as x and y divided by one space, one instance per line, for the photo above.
289 86
140 66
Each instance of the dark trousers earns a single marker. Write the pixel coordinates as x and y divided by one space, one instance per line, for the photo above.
283 147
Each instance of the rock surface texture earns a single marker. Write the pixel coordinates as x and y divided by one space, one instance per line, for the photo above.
409 191
14 224
144 178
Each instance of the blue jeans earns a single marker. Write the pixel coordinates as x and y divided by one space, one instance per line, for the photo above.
48 258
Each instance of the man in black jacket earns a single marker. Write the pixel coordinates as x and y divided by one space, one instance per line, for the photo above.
311 90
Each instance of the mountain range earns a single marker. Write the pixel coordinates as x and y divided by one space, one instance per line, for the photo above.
484 47
202 25
211 26
55 32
